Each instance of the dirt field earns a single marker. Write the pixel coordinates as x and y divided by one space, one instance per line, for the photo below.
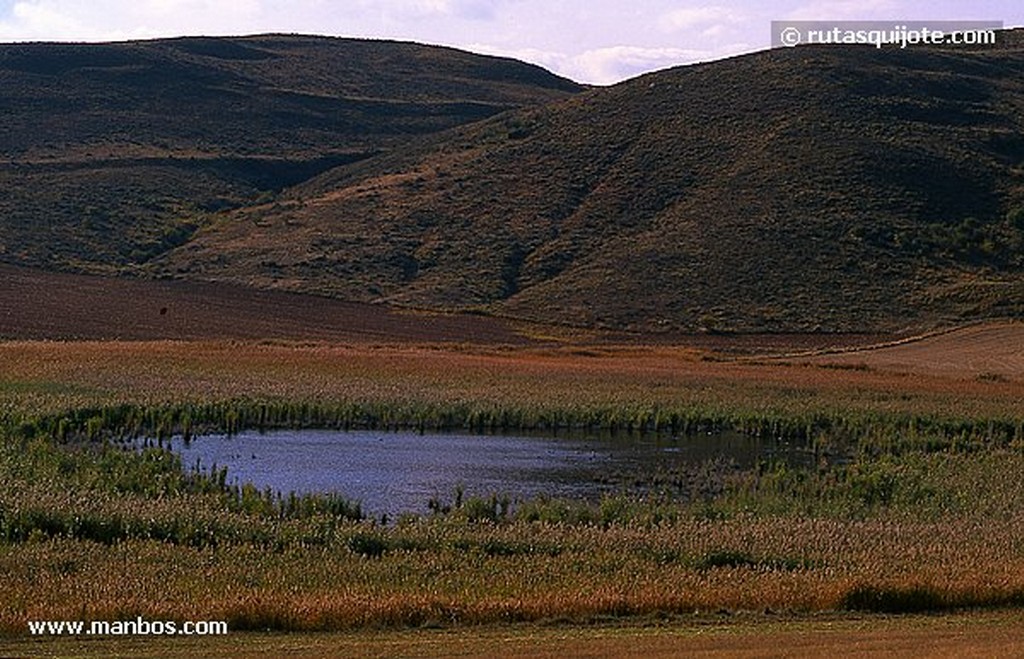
999 634
43 305
991 351
37 304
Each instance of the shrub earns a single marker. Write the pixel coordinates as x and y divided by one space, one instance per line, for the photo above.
893 600
369 545
1016 218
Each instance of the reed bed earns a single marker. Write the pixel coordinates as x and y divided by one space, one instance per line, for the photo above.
82 539
446 572
117 390
924 515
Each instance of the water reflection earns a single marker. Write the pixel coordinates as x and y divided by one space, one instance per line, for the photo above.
393 472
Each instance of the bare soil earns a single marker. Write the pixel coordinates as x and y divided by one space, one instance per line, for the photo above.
990 351
37 304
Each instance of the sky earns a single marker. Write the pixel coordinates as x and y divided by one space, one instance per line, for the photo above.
591 41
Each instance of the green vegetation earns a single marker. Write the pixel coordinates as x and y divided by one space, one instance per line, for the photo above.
996 244
133 534
868 433
107 495
114 533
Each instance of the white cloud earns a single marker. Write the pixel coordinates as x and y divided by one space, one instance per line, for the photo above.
546 58
409 11
40 21
706 30
604 66
839 10
56 20
716 31
432 21
476 10
690 17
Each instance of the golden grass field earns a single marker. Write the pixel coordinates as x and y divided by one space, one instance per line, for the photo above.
974 371
939 529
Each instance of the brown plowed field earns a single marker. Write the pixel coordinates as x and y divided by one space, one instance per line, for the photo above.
36 304
39 304
991 351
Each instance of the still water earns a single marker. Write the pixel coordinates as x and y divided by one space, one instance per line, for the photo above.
394 472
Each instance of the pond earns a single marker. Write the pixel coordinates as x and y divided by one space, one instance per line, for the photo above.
393 472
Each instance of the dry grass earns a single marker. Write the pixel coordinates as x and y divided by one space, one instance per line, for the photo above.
919 531
453 576
992 351
37 376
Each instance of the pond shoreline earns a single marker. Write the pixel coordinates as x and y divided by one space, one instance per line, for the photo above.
394 472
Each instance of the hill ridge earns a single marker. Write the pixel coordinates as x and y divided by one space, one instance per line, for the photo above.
112 153
807 189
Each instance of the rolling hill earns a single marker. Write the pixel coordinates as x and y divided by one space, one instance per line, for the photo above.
110 154
815 189
806 189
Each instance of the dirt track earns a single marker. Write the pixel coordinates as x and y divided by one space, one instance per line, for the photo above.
969 634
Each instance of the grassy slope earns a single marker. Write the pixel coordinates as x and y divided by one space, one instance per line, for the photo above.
804 189
112 153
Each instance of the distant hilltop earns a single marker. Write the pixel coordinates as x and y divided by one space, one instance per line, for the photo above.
812 189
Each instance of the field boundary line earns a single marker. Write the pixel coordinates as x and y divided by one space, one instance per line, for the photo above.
907 340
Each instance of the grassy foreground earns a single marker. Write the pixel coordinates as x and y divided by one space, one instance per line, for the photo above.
972 634
926 515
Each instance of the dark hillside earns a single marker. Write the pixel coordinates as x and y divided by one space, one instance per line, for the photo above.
816 188
112 153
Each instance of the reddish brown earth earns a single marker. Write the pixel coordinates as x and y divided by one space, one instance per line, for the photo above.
36 304
39 304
